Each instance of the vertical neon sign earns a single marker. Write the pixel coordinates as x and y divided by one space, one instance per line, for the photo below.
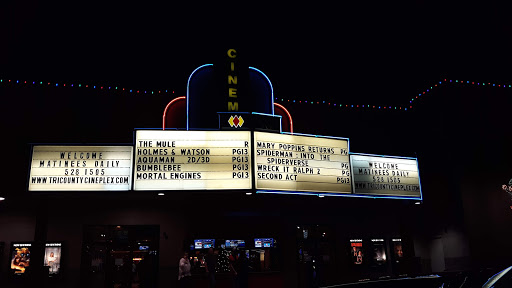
232 82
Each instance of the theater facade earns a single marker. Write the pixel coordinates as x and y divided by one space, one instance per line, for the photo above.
232 170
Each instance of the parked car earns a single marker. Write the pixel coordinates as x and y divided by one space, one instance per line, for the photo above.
482 278
500 279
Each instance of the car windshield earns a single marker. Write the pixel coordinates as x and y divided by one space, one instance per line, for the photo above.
501 279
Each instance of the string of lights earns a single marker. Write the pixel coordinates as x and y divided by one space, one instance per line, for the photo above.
403 107
80 85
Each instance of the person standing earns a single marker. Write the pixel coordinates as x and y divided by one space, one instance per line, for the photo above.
184 276
211 263
232 263
242 269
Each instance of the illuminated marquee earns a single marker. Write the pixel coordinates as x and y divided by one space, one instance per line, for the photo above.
192 160
385 176
286 162
80 168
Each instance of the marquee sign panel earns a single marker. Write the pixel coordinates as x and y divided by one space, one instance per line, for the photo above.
285 162
80 168
224 160
385 175
192 160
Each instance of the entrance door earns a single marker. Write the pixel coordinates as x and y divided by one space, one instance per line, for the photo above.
120 256
314 255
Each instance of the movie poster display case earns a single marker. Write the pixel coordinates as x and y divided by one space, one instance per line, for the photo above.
21 263
53 258
20 258
373 258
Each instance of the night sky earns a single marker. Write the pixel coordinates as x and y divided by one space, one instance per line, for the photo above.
351 52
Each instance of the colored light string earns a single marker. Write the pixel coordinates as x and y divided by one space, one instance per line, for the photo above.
80 85
396 107
403 107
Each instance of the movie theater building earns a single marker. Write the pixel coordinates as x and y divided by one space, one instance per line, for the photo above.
233 170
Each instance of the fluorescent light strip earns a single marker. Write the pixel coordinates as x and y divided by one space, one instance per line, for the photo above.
205 65
333 194
169 105
188 87
270 83
289 117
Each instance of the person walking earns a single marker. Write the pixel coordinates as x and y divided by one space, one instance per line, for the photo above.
211 263
232 263
184 276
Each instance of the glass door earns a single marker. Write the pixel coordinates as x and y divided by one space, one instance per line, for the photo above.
120 256
314 254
